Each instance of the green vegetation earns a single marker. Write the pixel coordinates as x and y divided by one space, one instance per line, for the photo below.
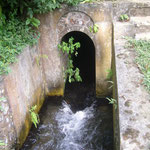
34 116
109 74
88 1
18 26
94 29
124 17
112 101
93 1
142 48
29 8
70 49
14 36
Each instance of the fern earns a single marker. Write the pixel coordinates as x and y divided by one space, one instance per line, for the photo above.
112 101
34 116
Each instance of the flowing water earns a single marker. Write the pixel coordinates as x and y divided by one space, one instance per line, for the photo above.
78 121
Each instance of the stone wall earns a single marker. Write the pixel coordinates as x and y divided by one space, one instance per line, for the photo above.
22 88
132 117
39 70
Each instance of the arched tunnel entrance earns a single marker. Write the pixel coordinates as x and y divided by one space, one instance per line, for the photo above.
85 60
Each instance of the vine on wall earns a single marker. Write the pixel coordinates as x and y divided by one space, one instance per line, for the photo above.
70 48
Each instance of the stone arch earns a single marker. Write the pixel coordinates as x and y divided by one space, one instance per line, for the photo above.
77 21
74 21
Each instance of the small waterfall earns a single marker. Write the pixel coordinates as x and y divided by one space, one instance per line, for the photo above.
83 122
76 128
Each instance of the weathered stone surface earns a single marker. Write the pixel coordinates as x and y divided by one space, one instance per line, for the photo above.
7 131
133 99
39 72
143 36
23 87
103 41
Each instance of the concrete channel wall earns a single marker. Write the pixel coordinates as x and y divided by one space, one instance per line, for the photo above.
35 76
132 124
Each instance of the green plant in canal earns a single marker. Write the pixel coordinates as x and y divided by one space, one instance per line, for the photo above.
142 48
112 101
94 29
70 49
124 17
109 74
34 116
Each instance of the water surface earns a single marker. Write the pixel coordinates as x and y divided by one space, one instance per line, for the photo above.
78 121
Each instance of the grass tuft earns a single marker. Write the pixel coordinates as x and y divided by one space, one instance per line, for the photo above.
142 48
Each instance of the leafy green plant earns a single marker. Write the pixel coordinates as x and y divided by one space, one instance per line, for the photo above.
109 74
34 6
14 36
124 17
16 21
88 1
70 49
33 21
112 101
94 29
142 48
34 116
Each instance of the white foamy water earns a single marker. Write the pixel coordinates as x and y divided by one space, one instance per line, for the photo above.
63 129
77 133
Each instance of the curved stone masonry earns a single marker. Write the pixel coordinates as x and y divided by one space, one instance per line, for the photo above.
74 21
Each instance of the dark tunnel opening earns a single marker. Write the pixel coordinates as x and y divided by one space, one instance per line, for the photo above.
85 60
